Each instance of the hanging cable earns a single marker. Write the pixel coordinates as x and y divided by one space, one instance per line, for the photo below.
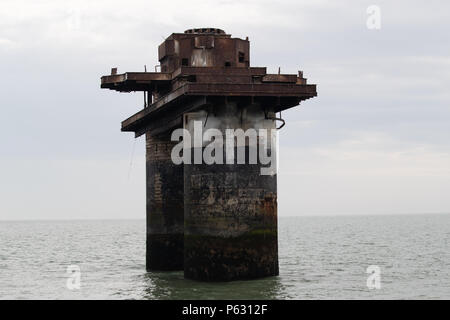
131 158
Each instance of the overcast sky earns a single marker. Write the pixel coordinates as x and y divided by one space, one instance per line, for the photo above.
376 140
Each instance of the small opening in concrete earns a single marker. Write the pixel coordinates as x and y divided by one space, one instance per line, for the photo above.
185 62
227 64
241 56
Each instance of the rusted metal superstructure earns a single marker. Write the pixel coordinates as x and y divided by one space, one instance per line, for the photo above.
215 222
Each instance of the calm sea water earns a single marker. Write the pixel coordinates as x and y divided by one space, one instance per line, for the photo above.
320 258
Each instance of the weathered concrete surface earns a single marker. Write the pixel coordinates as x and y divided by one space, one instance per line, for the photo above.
230 210
230 223
165 207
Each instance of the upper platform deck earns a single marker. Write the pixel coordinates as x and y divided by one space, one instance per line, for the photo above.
205 65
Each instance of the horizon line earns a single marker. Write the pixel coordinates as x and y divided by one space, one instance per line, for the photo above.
288 216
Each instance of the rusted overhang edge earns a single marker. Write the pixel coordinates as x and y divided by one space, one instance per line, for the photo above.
259 89
115 81
171 120
141 118
131 122
283 78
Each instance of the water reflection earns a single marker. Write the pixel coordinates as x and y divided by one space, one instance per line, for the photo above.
172 285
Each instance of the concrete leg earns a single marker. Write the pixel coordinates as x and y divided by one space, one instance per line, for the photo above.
165 207
230 211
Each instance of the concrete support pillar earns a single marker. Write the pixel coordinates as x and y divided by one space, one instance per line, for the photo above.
165 207
230 209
